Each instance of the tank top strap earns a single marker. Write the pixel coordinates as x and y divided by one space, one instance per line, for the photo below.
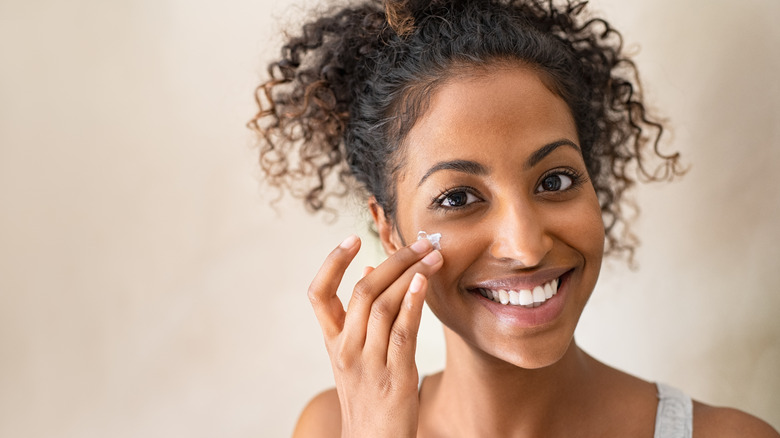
674 417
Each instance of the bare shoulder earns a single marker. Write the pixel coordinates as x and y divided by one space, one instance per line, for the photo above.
712 421
321 417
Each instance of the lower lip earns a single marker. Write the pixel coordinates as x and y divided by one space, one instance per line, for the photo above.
524 317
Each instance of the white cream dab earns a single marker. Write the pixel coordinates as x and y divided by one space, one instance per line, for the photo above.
433 238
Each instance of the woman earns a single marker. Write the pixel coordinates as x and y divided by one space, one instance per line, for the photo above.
511 128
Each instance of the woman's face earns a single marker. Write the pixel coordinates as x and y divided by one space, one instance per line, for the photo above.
495 167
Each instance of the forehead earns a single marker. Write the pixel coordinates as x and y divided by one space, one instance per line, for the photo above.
499 111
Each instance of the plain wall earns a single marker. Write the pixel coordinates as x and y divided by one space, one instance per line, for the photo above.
147 288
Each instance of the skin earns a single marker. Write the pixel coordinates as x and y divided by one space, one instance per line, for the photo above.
494 165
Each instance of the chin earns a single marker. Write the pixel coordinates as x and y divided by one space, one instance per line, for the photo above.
530 352
532 356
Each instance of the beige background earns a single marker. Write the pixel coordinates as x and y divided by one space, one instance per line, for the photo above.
148 289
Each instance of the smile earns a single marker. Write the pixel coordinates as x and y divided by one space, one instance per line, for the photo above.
528 298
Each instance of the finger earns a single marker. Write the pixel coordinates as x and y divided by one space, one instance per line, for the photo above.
367 270
403 335
372 285
387 307
322 291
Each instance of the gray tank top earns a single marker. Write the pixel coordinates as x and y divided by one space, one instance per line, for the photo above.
674 416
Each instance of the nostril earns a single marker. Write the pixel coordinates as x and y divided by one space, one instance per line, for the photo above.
525 256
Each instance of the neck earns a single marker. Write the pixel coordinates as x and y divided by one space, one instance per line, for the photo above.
490 397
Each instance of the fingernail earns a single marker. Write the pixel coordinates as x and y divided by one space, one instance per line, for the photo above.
432 259
349 242
416 284
421 246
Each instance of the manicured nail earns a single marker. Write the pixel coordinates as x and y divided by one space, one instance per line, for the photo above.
416 284
349 242
432 259
421 246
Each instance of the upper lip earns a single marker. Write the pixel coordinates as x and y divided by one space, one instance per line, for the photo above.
521 281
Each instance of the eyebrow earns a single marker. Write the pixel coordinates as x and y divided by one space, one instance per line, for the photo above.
474 168
465 166
546 150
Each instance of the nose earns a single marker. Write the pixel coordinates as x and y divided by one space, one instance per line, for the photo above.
520 235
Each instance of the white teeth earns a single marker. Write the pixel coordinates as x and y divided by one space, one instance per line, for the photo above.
539 294
548 291
524 297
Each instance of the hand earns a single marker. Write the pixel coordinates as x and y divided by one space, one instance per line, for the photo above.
372 345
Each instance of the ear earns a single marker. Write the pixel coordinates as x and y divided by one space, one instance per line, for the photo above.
386 229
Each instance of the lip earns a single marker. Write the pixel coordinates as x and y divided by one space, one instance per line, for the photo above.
522 317
528 281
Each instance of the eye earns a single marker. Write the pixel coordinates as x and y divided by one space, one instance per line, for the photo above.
456 198
556 182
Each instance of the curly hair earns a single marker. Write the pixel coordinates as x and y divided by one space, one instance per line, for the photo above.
348 89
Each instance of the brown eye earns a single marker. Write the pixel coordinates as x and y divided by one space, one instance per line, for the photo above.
456 198
555 183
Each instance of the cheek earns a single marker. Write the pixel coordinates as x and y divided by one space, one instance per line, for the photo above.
455 234
593 224
581 226
460 247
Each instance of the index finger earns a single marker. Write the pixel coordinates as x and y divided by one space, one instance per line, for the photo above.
322 291
380 279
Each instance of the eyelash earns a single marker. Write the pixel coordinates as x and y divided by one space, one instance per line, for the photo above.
438 201
577 179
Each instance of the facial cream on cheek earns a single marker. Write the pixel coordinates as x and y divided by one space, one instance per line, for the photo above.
434 238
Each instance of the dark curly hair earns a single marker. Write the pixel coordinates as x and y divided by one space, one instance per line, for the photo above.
346 91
